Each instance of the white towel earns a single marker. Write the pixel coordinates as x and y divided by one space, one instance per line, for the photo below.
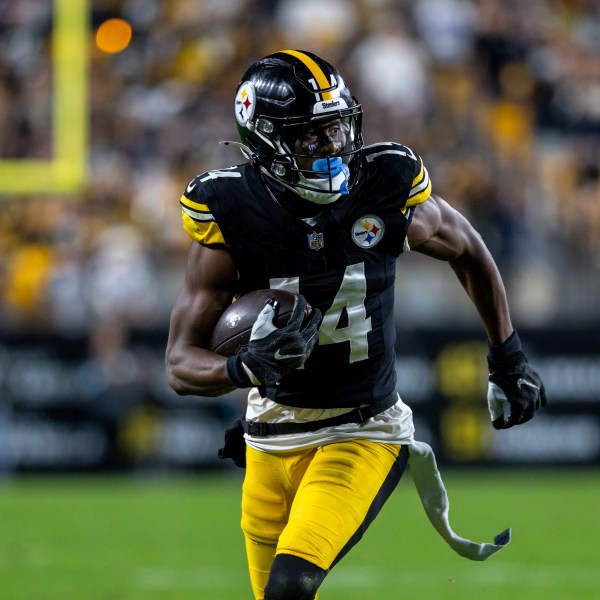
429 484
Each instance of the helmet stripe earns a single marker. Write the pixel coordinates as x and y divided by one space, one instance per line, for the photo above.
315 70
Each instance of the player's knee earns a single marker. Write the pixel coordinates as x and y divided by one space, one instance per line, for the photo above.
293 578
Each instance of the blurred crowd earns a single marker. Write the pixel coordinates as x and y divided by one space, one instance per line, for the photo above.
501 98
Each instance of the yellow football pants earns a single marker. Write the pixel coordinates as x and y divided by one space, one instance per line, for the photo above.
314 503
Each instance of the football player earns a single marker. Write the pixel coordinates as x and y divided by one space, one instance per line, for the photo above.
316 212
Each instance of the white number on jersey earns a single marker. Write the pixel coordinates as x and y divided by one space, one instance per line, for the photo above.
350 299
221 173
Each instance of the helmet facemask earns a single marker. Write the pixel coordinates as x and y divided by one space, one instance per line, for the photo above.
299 162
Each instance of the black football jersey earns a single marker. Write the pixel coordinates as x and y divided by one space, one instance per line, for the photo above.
342 261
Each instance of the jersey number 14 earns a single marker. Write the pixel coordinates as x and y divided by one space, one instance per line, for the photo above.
349 301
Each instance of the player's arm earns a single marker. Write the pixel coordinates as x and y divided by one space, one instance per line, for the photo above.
441 232
206 293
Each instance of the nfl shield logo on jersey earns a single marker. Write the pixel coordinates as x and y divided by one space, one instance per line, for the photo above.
315 240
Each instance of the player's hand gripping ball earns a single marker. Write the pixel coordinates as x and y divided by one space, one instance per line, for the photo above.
232 332
266 334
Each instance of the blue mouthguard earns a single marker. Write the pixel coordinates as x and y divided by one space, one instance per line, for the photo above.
331 167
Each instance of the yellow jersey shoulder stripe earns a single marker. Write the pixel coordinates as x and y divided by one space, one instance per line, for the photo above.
206 233
421 187
185 201
195 210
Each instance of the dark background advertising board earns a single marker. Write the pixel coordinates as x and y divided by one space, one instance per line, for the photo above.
444 380
93 403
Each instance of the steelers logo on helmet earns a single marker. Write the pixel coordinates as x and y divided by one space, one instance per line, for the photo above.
245 103
368 231
333 105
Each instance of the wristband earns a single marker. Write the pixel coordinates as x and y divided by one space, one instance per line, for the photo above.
500 353
237 373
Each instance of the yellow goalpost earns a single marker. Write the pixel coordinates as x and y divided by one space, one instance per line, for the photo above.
65 172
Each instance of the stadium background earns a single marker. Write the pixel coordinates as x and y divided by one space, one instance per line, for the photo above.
502 99
109 484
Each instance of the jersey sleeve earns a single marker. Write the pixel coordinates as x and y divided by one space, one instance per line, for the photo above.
400 176
198 221
421 186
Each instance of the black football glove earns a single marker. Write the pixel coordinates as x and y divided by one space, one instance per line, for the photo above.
235 444
273 352
512 380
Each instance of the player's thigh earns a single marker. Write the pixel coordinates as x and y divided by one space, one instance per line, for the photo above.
268 491
342 491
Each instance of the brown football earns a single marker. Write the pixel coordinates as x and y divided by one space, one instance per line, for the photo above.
233 329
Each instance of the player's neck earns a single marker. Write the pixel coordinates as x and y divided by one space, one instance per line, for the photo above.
292 202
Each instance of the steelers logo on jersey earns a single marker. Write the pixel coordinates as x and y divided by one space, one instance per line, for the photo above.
368 231
245 102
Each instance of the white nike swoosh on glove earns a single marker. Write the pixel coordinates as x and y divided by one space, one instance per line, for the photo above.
521 382
279 356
